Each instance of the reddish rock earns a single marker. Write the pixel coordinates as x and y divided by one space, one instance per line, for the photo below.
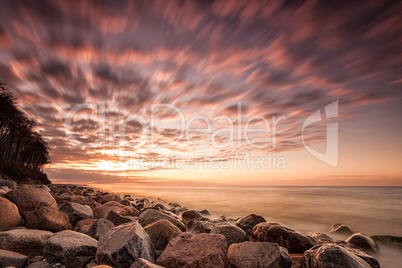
247 223
151 215
103 211
160 233
143 263
294 241
28 199
24 241
116 204
47 218
10 217
191 215
12 259
195 250
83 226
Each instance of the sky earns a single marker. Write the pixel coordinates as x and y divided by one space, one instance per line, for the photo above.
210 92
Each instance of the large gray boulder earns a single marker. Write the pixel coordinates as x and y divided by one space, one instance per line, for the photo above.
47 218
100 227
364 242
12 259
258 254
28 199
10 217
24 241
77 212
123 244
72 249
331 255
247 223
195 250
151 215
232 233
160 233
294 241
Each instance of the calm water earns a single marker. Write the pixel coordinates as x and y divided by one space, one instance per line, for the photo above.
369 210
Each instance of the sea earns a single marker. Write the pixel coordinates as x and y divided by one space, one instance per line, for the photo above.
367 210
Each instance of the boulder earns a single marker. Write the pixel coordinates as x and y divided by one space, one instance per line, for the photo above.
247 223
103 211
118 219
39 264
109 197
364 242
12 259
258 254
359 253
294 241
28 199
123 244
3 192
78 199
116 204
321 238
331 255
72 249
100 227
10 217
28 242
92 203
160 233
151 215
8 183
232 233
77 212
191 215
195 250
205 225
143 263
142 203
204 212
47 218
83 225
340 229
390 240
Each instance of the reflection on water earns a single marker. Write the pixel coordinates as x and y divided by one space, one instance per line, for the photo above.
369 210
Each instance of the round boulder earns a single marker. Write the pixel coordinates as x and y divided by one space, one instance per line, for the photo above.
47 218
77 212
247 223
258 254
10 217
232 233
160 233
151 215
28 199
363 242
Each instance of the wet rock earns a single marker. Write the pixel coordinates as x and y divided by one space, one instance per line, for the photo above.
205 225
77 212
364 242
390 240
28 199
191 215
359 253
195 250
258 254
117 219
340 229
143 263
294 241
72 249
12 259
321 238
83 226
150 216
10 217
47 218
232 233
100 227
331 255
247 223
160 233
123 244
28 242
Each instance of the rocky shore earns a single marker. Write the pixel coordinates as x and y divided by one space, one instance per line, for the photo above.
74 226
